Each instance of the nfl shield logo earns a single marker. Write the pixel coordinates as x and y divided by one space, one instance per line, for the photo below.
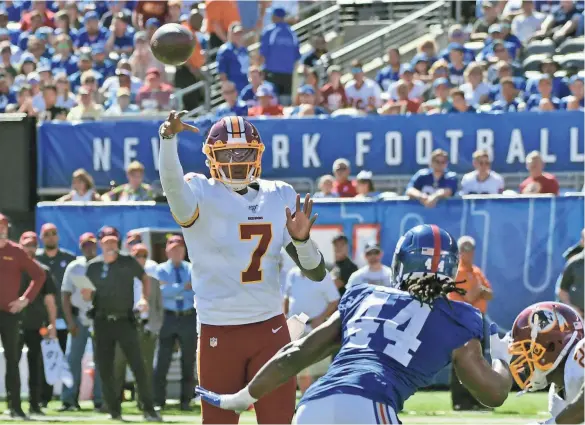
213 342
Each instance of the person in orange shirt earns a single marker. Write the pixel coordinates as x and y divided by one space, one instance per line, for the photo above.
220 15
266 105
479 292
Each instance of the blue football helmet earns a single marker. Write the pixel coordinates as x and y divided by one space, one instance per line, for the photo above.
425 249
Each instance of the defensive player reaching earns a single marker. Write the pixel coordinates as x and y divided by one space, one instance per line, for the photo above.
235 225
547 348
393 342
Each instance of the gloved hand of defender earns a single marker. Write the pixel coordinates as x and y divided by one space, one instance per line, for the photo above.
499 347
238 402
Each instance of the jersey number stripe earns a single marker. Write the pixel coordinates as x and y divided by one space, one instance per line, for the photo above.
253 274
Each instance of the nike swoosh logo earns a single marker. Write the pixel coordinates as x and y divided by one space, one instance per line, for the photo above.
276 330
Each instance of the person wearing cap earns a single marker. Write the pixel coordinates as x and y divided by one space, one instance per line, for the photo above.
154 94
509 100
84 64
256 78
101 63
279 50
92 32
574 101
318 300
544 100
79 325
40 314
134 190
478 293
267 103
233 59
179 323
220 15
121 36
441 101
7 95
457 64
548 66
140 61
374 272
434 183
326 187
50 111
149 11
421 64
457 35
489 17
232 105
13 262
365 185
343 186
333 93
538 181
362 93
112 273
306 106
123 104
416 88
150 322
343 267
87 108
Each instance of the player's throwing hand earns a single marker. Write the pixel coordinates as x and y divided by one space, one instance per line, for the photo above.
299 225
173 125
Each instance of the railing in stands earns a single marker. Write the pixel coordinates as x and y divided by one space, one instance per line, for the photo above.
177 97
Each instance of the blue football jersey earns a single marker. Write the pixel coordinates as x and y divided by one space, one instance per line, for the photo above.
392 345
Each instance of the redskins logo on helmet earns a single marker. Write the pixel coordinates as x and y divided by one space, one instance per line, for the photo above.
542 336
234 152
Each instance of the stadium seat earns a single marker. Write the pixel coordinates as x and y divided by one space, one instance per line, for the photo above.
532 63
573 62
572 45
537 47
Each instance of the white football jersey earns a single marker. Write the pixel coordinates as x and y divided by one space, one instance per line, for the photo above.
493 185
574 373
234 246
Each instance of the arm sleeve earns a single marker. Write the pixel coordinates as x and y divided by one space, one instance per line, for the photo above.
182 200
36 273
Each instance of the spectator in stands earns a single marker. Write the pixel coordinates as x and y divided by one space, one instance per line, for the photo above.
548 66
101 63
6 64
456 35
63 25
416 88
50 110
28 64
233 59
459 103
36 21
279 50
39 7
220 15
90 80
149 9
456 64
391 72
318 49
421 65
504 70
190 72
154 94
403 105
82 188
344 267
142 58
374 272
7 95
84 63
544 98
559 24
483 180
574 101
365 185
307 103
326 187
509 100
432 184
490 17
475 89
34 81
362 93
429 48
114 9
342 185
74 16
528 22
570 286
121 37
123 78
267 103
174 13
311 79
65 98
23 102
38 49
150 27
538 181
64 61
134 190
333 94
92 31
86 107
256 79
123 104
232 105
441 102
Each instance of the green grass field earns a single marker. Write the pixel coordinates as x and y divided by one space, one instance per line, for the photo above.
423 408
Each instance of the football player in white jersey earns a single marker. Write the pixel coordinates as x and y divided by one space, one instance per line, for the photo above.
546 348
235 225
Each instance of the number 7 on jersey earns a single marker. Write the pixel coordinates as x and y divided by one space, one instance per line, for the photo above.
253 274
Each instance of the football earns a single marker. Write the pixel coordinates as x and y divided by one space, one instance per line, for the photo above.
172 44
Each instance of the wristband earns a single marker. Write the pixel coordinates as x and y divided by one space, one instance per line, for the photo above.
244 398
308 253
162 136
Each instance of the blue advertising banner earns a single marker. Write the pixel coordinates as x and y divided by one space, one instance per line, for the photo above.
520 241
398 145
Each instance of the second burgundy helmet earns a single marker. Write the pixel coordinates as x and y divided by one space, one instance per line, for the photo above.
234 152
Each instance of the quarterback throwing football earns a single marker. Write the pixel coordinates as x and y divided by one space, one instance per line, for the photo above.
235 225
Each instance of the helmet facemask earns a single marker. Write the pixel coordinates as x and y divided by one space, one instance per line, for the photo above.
234 164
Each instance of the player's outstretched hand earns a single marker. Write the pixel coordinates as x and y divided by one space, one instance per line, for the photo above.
173 125
299 226
499 347
238 402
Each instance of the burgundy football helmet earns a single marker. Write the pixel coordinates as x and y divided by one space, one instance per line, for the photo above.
234 152
542 336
